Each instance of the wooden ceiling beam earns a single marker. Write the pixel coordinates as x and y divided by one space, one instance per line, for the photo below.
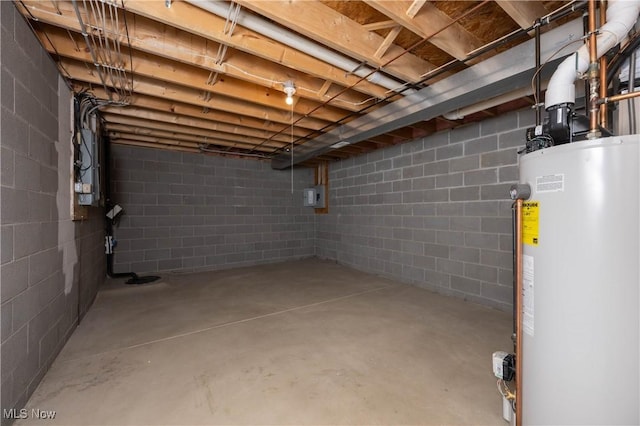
146 64
194 20
368 145
168 142
319 22
161 137
163 39
524 13
161 86
381 25
166 146
455 40
146 123
177 135
84 72
419 132
388 41
383 140
325 88
333 156
349 149
115 136
170 112
181 120
415 7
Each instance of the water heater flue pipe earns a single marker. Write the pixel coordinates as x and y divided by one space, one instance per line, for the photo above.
621 16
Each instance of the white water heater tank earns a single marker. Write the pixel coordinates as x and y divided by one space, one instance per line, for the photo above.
581 284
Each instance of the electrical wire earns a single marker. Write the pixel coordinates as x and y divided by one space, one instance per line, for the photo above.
510 396
213 74
105 42
314 92
240 154
379 68
504 390
85 106
116 70
126 28
229 26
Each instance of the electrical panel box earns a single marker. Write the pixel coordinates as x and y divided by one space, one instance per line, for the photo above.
315 197
88 185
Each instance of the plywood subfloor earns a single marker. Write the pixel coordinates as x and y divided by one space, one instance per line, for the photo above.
305 342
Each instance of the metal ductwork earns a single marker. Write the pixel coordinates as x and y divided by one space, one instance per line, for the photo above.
500 74
461 113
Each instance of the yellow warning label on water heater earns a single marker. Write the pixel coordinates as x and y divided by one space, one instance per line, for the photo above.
530 217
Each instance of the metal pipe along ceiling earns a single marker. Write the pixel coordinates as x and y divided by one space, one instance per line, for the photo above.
497 75
278 33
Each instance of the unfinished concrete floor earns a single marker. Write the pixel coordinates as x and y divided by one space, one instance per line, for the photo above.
305 342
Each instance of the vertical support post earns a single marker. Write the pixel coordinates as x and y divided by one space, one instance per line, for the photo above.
322 178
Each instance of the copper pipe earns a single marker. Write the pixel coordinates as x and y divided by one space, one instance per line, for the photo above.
603 70
593 51
620 97
519 296
593 73
538 105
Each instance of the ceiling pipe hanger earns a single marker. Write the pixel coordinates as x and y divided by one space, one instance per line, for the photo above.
289 38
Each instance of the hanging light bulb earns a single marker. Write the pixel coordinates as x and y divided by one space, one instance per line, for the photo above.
290 90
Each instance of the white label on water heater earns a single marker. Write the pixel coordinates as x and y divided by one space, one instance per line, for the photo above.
550 183
527 294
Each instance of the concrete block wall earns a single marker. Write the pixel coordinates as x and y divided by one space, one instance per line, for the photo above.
433 212
50 267
187 211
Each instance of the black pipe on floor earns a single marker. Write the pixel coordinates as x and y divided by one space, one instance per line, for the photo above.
133 277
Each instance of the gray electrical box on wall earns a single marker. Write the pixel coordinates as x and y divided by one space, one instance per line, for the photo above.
315 197
88 186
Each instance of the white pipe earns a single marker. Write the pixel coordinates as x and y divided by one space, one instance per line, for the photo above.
621 16
302 44
461 113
